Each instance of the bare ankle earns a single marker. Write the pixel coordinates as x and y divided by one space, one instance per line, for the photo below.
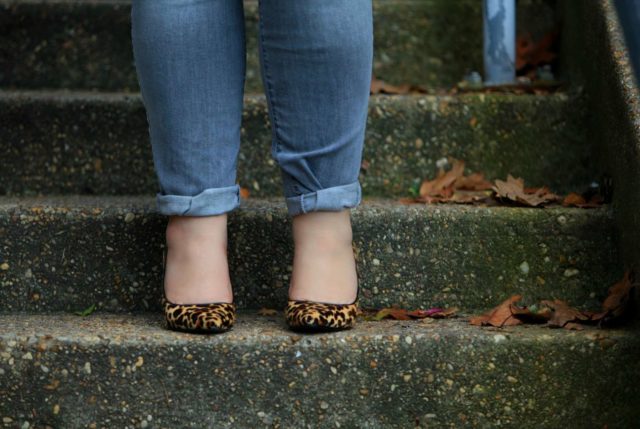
210 229
323 228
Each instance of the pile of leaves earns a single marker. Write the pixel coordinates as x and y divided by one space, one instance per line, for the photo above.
453 186
617 307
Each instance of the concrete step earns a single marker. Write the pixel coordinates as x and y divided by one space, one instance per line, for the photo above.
97 143
67 253
128 371
87 43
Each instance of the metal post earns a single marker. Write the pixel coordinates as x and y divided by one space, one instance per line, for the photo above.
499 41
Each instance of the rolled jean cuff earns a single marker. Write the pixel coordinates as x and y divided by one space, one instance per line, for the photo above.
212 201
336 198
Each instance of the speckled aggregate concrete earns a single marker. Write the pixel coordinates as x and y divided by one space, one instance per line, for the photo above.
127 371
87 143
598 60
87 44
70 252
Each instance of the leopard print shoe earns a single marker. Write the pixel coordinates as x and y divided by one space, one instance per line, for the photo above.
212 317
204 318
320 316
313 316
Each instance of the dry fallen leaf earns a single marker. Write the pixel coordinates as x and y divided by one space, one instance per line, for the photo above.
442 185
403 314
530 53
619 301
434 313
558 314
267 312
562 314
577 200
454 186
393 313
527 316
381 87
513 189
500 315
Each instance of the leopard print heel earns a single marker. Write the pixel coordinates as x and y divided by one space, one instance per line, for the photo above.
313 316
320 316
215 317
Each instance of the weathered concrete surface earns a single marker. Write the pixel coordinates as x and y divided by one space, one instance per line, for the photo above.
90 143
87 44
108 371
68 253
598 60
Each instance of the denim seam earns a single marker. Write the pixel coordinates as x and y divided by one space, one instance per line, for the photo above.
267 82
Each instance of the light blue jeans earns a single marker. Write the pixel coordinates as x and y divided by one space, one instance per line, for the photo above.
316 62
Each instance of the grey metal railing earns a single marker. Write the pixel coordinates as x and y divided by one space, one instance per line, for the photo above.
499 41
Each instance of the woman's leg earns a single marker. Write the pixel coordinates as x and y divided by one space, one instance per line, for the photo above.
190 60
316 66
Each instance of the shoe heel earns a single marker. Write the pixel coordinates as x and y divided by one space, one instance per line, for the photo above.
314 316
215 317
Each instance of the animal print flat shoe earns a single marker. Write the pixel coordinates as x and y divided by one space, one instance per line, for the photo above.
313 316
212 317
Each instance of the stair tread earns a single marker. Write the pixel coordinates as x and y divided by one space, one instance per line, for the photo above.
70 94
98 142
123 368
147 203
67 252
147 329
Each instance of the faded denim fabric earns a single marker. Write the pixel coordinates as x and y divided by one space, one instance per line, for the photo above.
316 62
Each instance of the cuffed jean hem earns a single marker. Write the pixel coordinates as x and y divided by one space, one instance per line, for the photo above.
212 201
336 198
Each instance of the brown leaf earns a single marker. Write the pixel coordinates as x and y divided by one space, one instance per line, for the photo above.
435 313
619 300
441 186
267 312
574 326
500 315
403 314
577 200
573 199
530 53
527 316
447 312
473 182
513 189
244 192
467 197
563 313
379 86
393 313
